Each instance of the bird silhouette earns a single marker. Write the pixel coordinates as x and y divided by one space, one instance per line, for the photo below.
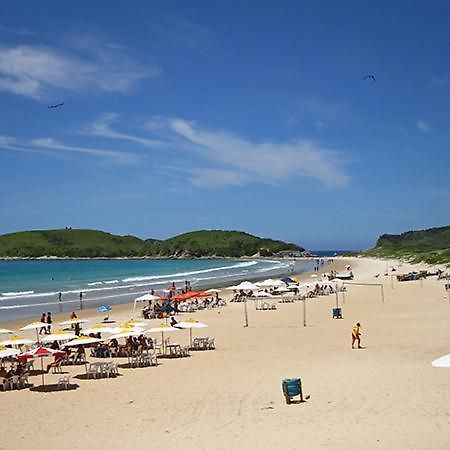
55 106
370 77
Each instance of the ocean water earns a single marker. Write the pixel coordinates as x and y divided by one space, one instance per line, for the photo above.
30 287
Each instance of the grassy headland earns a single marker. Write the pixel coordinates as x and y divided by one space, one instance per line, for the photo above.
431 246
76 243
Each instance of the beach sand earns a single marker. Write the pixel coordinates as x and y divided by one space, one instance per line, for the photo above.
386 395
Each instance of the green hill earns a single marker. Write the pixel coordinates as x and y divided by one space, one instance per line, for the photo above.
219 243
432 245
75 243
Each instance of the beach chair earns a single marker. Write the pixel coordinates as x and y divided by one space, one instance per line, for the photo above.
64 382
92 370
211 344
56 367
23 380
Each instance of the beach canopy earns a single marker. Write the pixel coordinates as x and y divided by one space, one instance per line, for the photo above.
17 340
83 340
59 335
6 352
146 298
444 361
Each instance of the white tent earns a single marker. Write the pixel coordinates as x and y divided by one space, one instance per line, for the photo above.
144 298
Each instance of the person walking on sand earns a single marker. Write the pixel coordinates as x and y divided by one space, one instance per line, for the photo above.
356 335
49 322
43 320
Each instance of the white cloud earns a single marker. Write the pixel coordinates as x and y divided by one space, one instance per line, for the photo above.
114 155
423 126
102 127
266 162
39 71
51 147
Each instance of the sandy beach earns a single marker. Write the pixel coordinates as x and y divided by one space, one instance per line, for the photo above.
386 395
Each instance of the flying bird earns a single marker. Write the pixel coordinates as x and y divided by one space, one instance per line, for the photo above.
370 77
55 106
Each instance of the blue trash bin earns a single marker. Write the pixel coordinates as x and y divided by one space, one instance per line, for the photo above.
291 388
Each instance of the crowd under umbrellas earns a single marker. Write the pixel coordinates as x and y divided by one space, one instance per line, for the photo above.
18 350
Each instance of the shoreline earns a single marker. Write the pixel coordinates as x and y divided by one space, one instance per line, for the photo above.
337 264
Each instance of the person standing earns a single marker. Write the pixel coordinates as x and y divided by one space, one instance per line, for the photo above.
43 320
49 322
81 300
356 335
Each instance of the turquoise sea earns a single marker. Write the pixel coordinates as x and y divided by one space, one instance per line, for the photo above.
30 287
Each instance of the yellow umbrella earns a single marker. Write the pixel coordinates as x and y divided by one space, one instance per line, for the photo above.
59 335
162 328
17 340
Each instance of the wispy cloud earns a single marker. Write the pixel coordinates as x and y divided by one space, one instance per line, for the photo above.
102 127
39 71
423 126
51 147
262 162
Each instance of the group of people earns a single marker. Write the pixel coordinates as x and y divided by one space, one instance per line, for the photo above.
48 320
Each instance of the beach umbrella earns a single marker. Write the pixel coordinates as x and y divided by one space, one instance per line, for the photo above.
147 297
232 288
262 294
5 331
162 328
124 333
247 285
133 323
444 361
213 291
83 340
270 283
313 275
99 328
35 326
59 335
41 352
190 324
281 289
5 352
17 340
104 308
73 321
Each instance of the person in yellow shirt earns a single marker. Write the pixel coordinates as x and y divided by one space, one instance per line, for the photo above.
356 335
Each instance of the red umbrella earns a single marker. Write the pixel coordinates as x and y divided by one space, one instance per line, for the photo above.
41 352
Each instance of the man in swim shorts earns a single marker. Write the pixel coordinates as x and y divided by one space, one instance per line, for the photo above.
356 335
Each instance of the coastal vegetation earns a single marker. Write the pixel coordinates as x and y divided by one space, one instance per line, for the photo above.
77 243
431 246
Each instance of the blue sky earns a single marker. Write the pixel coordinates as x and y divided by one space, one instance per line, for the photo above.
226 115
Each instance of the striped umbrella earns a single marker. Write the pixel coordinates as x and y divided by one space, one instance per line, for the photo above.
41 352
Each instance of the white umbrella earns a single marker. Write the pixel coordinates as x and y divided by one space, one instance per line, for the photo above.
146 297
35 326
162 328
189 324
4 331
313 275
247 285
124 333
444 361
133 323
83 340
262 294
74 321
281 290
59 335
213 291
271 283
100 328
5 352
17 340
232 288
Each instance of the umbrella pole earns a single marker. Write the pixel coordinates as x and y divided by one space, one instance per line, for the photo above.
42 368
37 335
190 334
